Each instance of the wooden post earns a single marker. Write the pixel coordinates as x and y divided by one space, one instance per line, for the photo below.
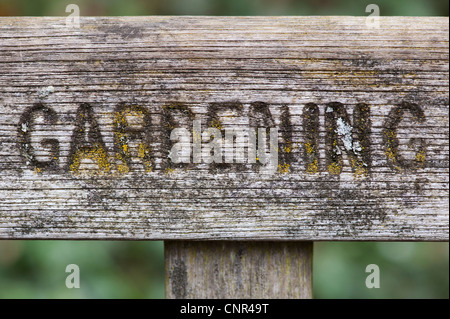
229 269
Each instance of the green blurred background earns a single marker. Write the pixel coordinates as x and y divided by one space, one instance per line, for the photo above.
36 269
224 7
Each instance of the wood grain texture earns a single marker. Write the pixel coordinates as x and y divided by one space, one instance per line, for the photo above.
235 270
70 97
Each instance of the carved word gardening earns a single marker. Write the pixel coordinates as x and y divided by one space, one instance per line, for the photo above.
163 142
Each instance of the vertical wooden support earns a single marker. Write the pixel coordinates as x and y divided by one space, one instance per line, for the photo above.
224 270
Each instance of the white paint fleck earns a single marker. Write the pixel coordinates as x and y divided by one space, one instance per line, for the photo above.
356 147
24 127
338 150
44 92
329 109
345 131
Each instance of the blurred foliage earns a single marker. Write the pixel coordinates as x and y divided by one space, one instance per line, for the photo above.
36 269
224 7
407 270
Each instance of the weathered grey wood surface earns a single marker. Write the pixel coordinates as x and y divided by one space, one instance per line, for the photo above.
226 270
113 75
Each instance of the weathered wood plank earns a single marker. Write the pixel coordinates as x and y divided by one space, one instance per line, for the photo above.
230 270
362 119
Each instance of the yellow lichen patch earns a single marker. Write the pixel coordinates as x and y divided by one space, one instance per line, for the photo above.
309 148
143 150
144 153
129 111
335 144
121 121
391 152
312 168
96 154
288 148
121 141
122 167
37 170
283 168
359 170
390 134
169 107
420 158
216 124
392 155
169 170
334 169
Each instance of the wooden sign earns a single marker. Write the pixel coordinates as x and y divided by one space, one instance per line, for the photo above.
313 128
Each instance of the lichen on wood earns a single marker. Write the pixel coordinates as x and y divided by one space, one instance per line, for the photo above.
85 117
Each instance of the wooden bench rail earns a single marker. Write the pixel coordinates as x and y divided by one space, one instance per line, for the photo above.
360 114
